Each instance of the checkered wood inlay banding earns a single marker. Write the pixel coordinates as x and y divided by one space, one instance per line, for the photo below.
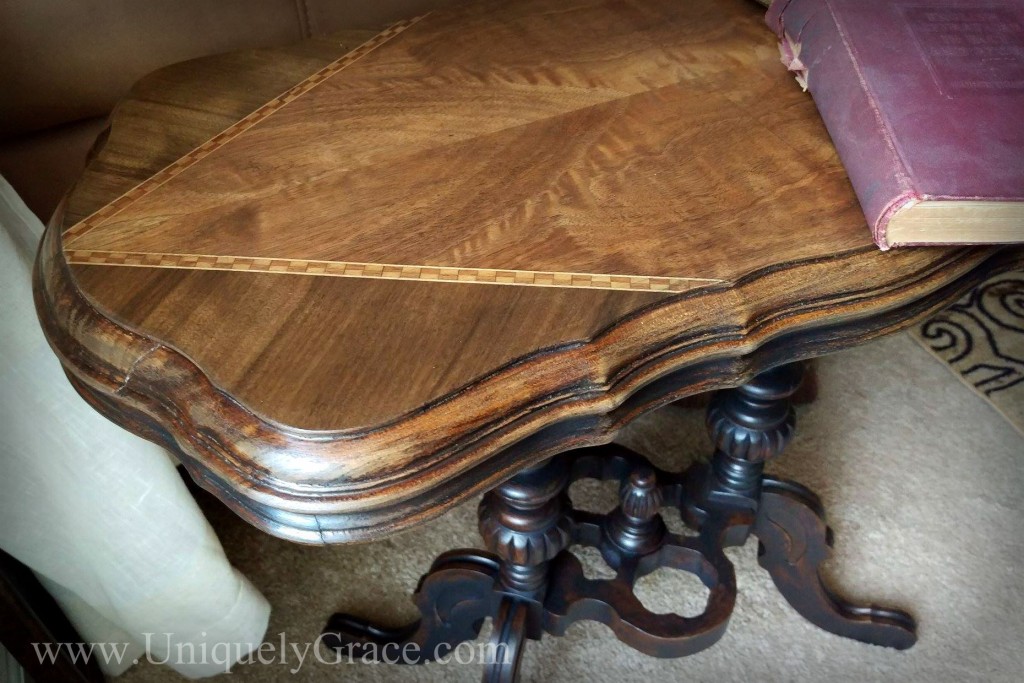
386 271
233 131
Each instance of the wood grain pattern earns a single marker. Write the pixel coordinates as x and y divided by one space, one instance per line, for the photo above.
313 352
178 108
600 138
541 155
102 216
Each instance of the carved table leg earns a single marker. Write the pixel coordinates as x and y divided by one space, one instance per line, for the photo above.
524 522
794 541
507 642
750 425
453 598
530 584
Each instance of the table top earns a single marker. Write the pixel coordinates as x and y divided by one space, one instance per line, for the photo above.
481 237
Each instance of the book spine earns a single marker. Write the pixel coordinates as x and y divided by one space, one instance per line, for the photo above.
815 46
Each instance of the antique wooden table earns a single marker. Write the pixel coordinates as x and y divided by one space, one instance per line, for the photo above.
461 257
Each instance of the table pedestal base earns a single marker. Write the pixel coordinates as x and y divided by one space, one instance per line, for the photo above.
531 584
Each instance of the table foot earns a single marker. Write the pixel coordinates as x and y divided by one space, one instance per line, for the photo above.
453 598
531 584
794 541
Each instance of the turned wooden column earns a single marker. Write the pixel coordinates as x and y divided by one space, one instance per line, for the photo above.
749 425
529 587
524 522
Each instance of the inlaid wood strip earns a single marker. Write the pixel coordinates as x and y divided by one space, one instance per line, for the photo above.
387 271
233 131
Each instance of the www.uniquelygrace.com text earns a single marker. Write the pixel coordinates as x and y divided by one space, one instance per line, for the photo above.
161 648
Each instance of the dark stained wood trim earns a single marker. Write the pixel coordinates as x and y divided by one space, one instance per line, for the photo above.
361 484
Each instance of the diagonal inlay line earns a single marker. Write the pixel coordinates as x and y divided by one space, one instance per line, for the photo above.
236 129
387 271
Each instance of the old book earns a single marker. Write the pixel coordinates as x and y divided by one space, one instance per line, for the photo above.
924 100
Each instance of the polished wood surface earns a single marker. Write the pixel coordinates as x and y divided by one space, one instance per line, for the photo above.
523 137
484 236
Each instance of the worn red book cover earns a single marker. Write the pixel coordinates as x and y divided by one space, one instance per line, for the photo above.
924 100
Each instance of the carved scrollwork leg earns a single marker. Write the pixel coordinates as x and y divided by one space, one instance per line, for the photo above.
750 425
524 521
530 584
507 642
794 541
453 599
634 541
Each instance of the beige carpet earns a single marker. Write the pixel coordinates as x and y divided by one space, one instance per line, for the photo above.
924 484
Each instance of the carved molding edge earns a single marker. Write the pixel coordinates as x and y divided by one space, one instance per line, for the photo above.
359 484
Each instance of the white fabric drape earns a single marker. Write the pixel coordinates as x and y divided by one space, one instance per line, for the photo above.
99 514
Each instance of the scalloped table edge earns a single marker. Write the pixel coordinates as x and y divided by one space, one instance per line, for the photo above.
319 487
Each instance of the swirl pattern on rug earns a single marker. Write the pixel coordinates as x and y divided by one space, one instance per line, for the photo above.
981 339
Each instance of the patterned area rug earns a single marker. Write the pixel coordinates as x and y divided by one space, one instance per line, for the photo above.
981 339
